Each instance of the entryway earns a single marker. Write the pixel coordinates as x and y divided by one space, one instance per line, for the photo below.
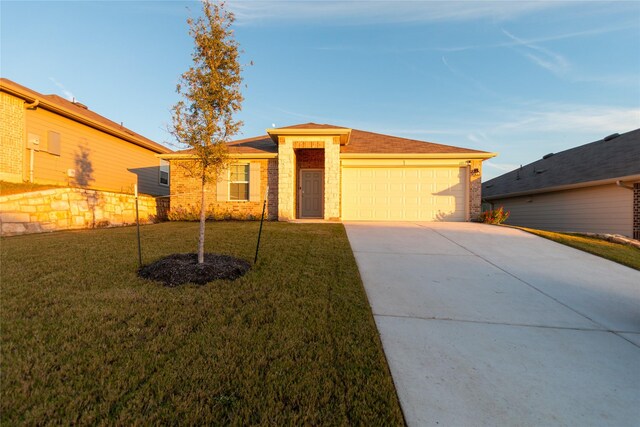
311 193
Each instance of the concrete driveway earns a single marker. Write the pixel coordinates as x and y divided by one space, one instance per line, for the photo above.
485 325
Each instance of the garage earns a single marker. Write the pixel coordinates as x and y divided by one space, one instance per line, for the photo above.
404 193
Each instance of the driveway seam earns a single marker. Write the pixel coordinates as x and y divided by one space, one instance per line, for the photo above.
488 322
607 329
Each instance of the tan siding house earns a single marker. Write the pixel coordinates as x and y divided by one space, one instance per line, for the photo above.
589 189
49 140
319 171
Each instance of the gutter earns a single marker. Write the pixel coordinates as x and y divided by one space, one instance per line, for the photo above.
185 156
632 178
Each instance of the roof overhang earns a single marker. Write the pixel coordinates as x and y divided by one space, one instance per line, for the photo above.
628 178
186 156
462 156
343 133
65 112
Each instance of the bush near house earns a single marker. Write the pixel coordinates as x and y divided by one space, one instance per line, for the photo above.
496 216
86 341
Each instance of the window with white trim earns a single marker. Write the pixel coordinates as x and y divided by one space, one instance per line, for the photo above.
164 172
239 182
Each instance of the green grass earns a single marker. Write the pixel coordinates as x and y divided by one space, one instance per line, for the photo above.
8 188
622 254
85 341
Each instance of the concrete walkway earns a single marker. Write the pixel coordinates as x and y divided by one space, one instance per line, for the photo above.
485 325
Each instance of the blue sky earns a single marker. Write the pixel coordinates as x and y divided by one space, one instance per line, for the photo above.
520 78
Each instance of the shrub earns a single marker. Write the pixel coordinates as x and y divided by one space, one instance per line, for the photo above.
496 216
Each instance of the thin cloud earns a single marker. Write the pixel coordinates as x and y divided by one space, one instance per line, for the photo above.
540 56
562 118
375 12
67 93
504 167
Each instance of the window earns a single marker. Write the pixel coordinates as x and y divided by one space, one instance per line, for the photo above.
164 172
53 143
239 182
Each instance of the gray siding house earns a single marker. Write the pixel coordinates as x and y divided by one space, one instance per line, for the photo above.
592 188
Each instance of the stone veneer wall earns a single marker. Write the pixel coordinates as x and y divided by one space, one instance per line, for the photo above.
332 180
185 195
12 134
475 190
74 208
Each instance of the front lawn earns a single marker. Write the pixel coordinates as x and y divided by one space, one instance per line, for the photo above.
622 254
85 341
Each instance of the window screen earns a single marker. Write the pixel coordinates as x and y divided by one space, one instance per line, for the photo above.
239 182
164 172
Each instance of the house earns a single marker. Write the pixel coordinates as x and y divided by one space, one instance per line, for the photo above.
592 188
330 172
49 140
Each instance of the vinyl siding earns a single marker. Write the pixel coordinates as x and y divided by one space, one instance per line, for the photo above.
114 162
600 209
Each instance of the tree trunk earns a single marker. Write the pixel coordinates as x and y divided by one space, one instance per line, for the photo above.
203 217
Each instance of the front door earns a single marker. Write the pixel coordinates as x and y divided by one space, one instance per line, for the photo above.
311 193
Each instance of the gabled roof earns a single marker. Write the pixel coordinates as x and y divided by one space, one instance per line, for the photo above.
601 160
358 143
79 113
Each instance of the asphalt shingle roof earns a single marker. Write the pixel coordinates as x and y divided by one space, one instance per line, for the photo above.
599 160
359 142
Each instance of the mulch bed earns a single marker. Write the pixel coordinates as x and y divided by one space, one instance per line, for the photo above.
178 269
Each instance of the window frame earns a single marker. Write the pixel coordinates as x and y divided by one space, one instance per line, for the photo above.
247 182
164 163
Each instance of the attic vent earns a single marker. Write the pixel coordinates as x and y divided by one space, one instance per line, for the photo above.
539 171
81 105
546 156
488 186
612 136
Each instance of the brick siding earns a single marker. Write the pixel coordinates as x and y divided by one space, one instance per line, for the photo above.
185 194
636 211
12 134
475 191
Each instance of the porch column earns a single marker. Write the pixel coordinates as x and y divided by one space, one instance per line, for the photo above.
286 179
332 179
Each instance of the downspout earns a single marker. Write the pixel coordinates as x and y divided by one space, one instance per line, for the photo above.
622 185
31 106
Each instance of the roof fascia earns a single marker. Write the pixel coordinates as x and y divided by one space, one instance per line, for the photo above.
462 156
343 133
631 178
43 103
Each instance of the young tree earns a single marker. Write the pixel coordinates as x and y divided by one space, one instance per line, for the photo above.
210 92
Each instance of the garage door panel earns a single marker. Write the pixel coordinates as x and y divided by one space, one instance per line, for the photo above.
426 194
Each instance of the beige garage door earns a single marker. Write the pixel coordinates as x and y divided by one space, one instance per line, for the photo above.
403 194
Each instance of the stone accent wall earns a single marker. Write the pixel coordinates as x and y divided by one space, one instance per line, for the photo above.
286 179
475 190
185 195
12 136
74 208
332 180
636 211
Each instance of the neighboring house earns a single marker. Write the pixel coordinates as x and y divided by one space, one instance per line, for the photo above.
337 173
49 140
592 188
